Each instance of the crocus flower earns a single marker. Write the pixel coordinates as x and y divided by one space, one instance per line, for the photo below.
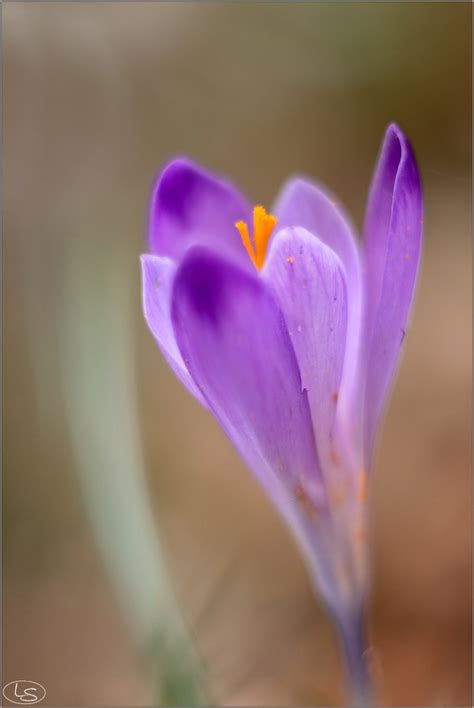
289 332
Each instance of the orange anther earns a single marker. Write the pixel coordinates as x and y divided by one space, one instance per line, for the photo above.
263 225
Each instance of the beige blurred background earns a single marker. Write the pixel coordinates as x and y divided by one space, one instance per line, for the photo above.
96 97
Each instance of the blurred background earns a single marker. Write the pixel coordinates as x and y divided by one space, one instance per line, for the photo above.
133 534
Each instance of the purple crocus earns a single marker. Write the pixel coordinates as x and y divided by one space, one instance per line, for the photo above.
290 336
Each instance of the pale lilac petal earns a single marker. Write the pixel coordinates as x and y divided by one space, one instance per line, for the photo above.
392 248
303 203
191 206
234 341
157 280
309 285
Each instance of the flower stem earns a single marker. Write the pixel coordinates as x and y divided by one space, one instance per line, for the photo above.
352 634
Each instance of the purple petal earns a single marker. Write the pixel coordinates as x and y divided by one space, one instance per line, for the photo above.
235 344
191 206
157 280
392 248
308 281
302 203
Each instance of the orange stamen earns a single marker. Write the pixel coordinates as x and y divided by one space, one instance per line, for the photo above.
263 225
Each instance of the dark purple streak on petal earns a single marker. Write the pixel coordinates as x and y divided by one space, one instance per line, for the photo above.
392 249
191 206
234 341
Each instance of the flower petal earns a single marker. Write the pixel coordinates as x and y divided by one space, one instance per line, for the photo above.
191 206
234 341
392 249
303 203
157 280
309 284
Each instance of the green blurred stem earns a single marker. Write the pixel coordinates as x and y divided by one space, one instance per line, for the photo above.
95 337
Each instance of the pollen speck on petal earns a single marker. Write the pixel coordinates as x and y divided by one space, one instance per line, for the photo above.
361 486
335 457
301 496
